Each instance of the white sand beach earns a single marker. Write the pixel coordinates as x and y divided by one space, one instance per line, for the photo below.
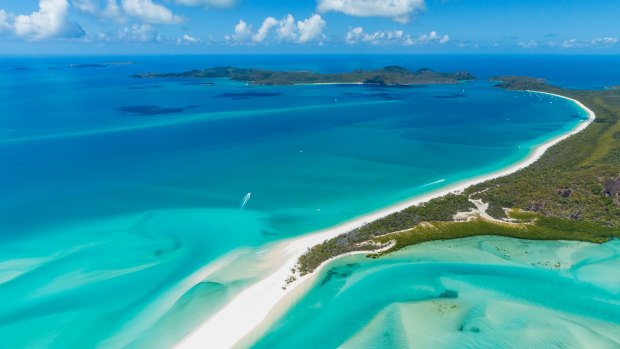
261 303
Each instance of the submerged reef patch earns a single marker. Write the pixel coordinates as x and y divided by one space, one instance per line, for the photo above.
450 96
150 110
383 95
247 95
144 87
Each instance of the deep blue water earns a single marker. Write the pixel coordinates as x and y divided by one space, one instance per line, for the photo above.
116 190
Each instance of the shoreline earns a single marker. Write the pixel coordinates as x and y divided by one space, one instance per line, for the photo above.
255 307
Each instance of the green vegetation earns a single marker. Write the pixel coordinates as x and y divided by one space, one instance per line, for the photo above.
391 75
439 209
512 82
543 228
571 193
569 181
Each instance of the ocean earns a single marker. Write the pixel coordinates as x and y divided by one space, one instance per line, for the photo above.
118 192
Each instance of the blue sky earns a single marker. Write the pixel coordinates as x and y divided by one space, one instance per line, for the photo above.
309 26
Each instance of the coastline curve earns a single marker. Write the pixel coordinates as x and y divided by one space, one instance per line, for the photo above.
257 306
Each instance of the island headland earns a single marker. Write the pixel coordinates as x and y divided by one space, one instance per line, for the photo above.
570 193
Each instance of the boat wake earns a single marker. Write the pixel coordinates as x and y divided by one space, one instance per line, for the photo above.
245 200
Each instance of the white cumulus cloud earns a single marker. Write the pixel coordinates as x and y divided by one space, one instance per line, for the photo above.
288 29
432 37
528 44
49 21
243 32
188 39
393 37
596 42
150 12
285 30
108 11
311 29
5 26
398 10
605 41
138 33
87 6
112 10
357 35
264 29
600 42
145 33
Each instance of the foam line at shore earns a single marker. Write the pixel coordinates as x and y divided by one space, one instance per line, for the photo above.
259 304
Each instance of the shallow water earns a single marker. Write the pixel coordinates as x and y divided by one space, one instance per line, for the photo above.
118 193
483 292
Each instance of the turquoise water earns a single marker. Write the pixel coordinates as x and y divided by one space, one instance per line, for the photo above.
483 292
117 193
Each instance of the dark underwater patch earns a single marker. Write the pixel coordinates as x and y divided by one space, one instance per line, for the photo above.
472 329
451 96
328 277
340 273
392 87
148 110
580 117
144 87
408 86
88 65
270 232
248 95
449 294
383 95
197 83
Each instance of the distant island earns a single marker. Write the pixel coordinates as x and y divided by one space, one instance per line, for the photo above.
523 83
390 75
